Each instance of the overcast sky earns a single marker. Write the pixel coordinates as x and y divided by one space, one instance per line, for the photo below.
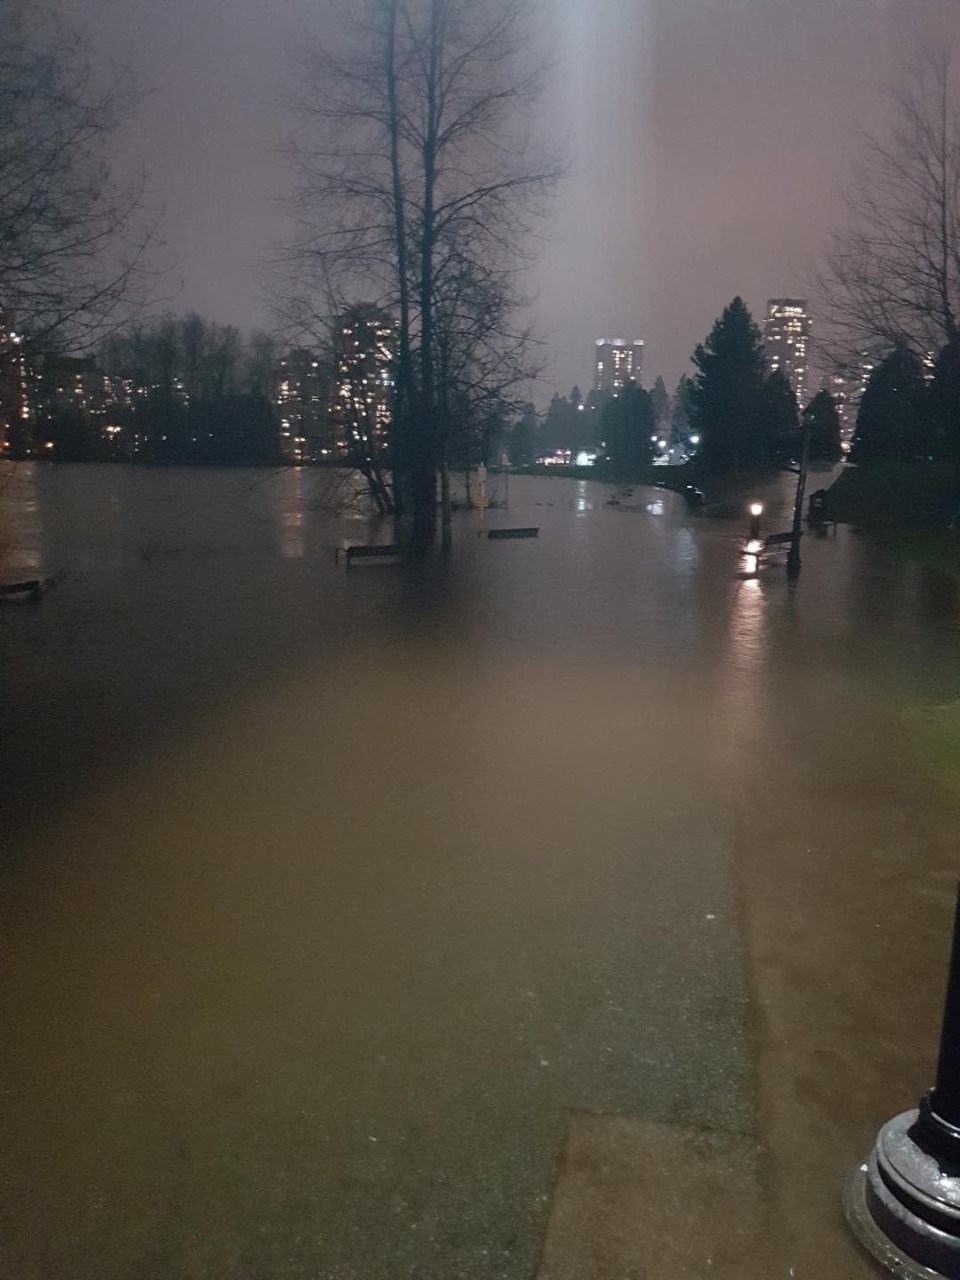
706 141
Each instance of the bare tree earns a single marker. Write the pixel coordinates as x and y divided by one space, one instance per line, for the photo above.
73 244
485 361
892 272
415 168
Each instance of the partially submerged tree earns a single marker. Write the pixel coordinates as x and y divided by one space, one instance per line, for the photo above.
418 189
892 270
73 240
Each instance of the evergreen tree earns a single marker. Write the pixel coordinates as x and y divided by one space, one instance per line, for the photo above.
556 426
524 438
626 426
943 403
823 422
576 398
728 391
566 425
890 417
781 419
680 422
660 399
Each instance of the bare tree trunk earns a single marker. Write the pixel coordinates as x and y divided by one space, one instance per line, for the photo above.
403 418
425 513
446 527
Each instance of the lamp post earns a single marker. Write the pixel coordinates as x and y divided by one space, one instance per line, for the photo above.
756 511
793 555
903 1204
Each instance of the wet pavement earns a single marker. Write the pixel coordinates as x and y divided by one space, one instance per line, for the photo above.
332 898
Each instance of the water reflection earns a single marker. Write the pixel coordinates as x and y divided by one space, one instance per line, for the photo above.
292 539
744 654
21 523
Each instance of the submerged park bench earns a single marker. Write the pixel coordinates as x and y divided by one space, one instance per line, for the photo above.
31 588
370 551
778 539
528 531
759 546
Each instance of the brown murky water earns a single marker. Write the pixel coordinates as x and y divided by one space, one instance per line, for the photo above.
329 895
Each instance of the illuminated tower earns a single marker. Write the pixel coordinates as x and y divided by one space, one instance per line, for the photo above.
365 349
617 362
786 337
17 436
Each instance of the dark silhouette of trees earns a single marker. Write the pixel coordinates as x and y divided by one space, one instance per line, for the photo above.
73 241
524 438
821 419
626 427
680 417
780 437
943 404
201 394
567 424
660 401
891 419
892 272
727 392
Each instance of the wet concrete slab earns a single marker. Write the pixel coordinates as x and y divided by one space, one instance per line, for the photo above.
636 1199
305 993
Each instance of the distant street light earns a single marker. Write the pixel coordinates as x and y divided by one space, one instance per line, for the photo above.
756 511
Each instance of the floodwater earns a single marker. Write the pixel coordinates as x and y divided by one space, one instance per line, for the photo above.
330 895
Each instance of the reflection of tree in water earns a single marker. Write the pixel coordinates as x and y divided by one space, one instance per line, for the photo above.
339 492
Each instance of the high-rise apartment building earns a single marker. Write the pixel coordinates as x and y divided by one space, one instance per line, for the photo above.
365 349
847 385
17 436
617 362
786 337
303 394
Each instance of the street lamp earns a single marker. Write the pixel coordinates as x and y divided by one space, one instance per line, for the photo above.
756 511
903 1202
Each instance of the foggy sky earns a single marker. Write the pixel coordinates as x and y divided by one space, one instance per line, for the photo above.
706 140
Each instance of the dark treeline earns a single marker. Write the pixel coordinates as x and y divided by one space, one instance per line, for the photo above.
181 390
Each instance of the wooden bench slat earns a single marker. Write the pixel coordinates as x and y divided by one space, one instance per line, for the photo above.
367 550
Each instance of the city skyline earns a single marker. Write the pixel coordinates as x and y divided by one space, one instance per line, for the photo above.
656 227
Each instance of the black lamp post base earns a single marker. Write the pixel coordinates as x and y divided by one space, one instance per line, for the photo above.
903 1205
